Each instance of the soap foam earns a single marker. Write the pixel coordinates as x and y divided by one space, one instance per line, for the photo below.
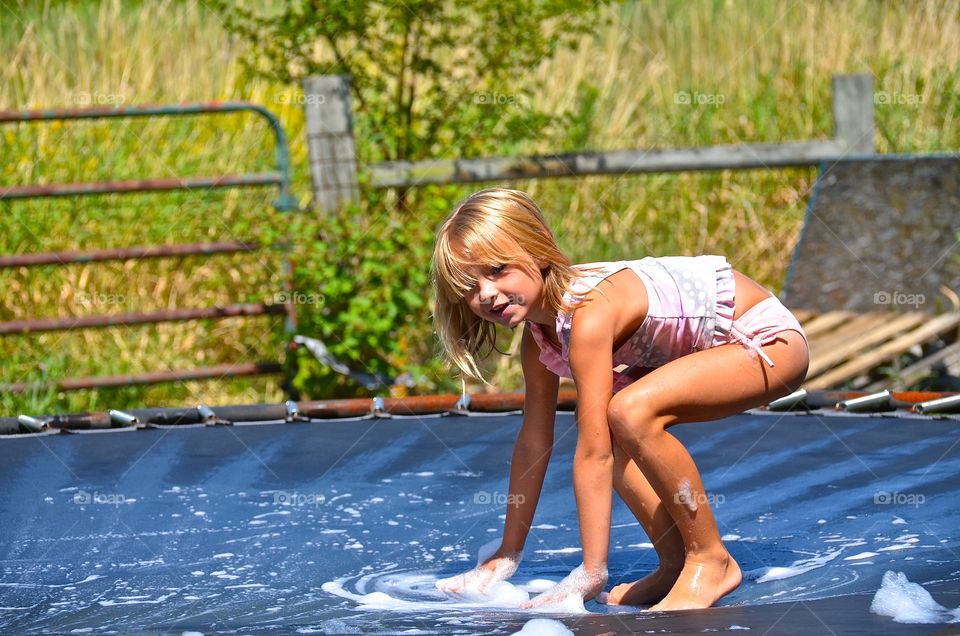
776 573
907 602
544 627
568 594
487 550
685 496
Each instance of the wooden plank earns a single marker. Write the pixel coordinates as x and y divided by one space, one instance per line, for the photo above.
333 156
918 370
895 347
868 338
856 326
803 315
826 322
393 174
853 112
853 134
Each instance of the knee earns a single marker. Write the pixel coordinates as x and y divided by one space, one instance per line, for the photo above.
632 414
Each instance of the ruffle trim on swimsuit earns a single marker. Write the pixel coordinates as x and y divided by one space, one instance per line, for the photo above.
549 356
727 329
725 305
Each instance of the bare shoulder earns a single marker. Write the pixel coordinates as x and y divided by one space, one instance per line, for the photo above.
613 311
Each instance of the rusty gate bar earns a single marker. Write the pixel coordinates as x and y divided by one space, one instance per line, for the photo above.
11 193
171 315
285 202
127 253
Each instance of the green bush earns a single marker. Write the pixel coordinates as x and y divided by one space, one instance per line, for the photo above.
428 79
362 288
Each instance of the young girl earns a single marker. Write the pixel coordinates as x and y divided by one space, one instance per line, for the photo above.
649 343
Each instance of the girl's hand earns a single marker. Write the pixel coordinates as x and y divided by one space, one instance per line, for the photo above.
499 567
582 583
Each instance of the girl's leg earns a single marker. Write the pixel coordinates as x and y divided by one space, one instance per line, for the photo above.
705 385
646 506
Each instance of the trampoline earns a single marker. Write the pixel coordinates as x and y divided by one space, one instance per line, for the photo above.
342 525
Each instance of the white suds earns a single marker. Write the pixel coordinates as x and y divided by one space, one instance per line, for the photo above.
907 602
685 496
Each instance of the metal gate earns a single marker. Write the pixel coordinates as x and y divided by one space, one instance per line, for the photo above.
284 202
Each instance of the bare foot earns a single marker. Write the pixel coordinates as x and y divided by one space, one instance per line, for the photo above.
650 589
702 582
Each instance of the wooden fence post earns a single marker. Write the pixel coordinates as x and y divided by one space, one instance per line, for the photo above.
333 156
853 113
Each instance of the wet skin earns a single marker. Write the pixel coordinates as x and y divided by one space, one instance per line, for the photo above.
651 466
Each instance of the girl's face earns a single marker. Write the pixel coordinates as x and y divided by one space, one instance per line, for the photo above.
505 294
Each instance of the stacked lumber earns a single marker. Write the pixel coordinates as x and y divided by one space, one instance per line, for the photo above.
846 347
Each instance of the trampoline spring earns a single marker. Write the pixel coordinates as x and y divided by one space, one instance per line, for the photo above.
868 403
32 424
378 408
462 407
949 404
796 400
208 417
121 419
293 412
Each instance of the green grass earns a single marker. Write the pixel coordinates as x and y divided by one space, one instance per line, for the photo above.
769 63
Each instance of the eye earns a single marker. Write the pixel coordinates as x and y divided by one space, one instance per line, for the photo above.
498 269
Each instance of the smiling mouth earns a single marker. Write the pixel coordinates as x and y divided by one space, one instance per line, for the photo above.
499 308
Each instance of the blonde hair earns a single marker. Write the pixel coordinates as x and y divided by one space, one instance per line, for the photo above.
490 227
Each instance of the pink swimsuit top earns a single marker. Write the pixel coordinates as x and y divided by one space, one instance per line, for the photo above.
690 304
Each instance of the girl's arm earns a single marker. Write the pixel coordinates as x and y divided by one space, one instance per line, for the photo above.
591 360
531 452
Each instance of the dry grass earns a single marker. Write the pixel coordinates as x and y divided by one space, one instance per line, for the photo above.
770 65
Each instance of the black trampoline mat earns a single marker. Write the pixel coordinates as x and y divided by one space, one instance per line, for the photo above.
283 527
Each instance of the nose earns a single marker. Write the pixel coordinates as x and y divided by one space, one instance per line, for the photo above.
487 292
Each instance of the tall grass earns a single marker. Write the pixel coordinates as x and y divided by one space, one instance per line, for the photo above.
763 70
